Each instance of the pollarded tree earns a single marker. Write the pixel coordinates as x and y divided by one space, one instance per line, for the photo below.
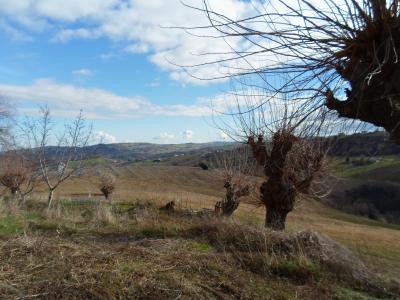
290 164
18 173
107 184
339 54
286 146
14 171
236 168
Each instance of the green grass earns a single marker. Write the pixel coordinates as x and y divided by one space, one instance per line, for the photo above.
338 215
345 170
349 294
11 225
202 246
14 224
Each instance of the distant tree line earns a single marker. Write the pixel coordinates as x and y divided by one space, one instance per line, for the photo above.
367 144
376 200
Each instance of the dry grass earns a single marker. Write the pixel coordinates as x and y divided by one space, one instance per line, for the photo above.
168 256
193 188
141 252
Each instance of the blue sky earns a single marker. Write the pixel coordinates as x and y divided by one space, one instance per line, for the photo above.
112 58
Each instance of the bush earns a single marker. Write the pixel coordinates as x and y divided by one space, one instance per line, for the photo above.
203 165
362 161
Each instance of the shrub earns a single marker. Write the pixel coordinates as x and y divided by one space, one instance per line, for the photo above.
107 184
203 166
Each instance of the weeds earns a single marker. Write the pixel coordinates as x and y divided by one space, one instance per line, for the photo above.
134 250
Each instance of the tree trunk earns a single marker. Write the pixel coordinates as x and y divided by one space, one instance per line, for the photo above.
373 75
279 197
231 201
105 192
228 207
383 113
275 219
22 200
50 199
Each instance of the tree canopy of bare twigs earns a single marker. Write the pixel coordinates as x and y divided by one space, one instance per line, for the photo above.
340 55
290 164
59 154
17 173
107 183
236 167
285 145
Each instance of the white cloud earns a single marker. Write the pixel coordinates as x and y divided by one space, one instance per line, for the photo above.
164 137
137 48
223 136
14 34
154 83
187 134
82 73
143 26
103 137
81 33
67 99
107 56
139 25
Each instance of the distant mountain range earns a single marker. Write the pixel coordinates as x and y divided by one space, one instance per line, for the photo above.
147 151
361 144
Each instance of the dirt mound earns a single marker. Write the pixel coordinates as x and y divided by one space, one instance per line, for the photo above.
330 253
231 237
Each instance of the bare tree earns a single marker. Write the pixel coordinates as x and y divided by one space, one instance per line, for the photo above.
236 167
14 171
342 55
290 164
107 184
286 146
18 173
63 160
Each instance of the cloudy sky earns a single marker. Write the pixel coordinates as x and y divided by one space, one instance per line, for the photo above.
115 60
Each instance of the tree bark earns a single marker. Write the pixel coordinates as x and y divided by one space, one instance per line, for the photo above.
275 219
278 193
231 201
279 197
50 199
372 71
229 207
383 113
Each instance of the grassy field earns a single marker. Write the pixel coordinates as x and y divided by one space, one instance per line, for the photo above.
346 170
159 252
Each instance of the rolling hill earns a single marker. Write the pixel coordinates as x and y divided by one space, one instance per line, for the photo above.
361 144
148 151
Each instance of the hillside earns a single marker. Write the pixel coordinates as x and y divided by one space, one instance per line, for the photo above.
370 188
147 151
131 249
190 154
193 188
366 143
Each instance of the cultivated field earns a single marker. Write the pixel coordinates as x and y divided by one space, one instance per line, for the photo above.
192 188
